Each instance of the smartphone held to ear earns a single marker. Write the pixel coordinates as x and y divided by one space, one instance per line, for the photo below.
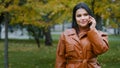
90 23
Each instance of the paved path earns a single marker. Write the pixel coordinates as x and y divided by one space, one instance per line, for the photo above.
18 34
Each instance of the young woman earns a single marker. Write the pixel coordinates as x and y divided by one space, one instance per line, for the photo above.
79 46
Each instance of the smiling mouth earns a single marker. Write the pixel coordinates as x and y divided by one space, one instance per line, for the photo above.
83 22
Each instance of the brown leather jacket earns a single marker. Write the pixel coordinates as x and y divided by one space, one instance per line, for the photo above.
80 51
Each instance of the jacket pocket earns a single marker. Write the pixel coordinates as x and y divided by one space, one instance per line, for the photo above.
69 48
70 51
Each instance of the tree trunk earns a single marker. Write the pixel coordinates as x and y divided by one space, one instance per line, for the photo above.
118 30
0 30
115 31
1 20
37 41
6 19
48 38
34 34
36 38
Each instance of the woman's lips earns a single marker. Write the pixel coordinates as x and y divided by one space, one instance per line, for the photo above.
83 21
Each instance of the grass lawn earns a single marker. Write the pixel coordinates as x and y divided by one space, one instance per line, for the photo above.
25 54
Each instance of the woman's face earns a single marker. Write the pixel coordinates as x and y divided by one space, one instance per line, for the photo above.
82 17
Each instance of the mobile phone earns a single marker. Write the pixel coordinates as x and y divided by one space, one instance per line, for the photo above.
90 24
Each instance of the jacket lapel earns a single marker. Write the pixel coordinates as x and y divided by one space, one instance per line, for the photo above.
72 33
74 36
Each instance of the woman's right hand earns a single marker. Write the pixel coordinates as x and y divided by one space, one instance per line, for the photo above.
92 22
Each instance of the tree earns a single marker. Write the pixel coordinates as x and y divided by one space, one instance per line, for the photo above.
115 16
62 10
45 13
23 12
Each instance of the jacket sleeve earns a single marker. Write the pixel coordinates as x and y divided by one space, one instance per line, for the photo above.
99 41
60 53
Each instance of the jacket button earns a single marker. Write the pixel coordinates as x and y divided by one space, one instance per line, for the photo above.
80 52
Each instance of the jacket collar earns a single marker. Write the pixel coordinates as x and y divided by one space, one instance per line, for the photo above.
73 35
82 35
72 32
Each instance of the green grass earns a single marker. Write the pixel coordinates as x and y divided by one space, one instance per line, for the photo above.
111 59
25 54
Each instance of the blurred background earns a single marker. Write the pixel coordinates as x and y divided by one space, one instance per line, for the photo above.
34 27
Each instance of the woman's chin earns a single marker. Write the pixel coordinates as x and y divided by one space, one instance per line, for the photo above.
84 25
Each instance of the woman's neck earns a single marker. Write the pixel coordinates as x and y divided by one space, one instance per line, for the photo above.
82 29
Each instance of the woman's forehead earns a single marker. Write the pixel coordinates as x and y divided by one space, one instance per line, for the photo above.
81 10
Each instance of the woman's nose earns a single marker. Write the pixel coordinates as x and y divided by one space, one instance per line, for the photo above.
82 17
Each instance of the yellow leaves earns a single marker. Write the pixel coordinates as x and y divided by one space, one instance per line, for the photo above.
16 2
56 11
1 8
12 8
113 24
7 1
99 7
119 20
105 1
106 8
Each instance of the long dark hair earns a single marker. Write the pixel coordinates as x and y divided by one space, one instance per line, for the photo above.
78 6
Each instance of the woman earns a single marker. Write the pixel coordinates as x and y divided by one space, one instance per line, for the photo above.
79 46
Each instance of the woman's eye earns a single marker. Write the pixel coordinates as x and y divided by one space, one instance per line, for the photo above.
85 14
78 15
